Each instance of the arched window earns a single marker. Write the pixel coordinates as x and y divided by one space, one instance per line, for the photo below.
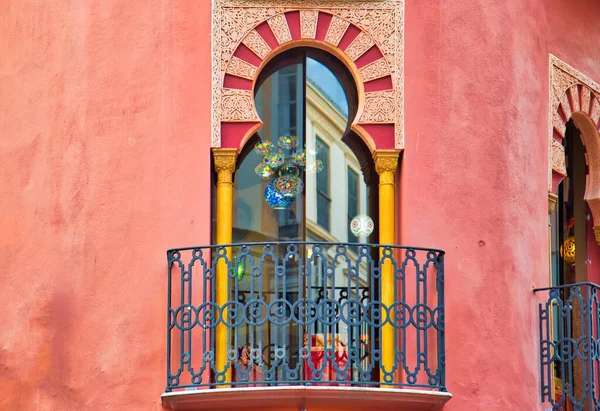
298 180
301 100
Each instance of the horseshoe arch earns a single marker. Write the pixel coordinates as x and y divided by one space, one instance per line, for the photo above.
366 39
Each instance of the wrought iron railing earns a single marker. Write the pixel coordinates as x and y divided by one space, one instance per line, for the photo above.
305 313
570 346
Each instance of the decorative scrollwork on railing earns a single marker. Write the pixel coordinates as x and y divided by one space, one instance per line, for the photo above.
570 346
304 313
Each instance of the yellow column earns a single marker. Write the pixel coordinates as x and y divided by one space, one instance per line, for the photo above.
386 164
224 161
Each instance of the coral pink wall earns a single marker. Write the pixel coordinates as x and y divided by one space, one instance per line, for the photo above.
105 123
474 175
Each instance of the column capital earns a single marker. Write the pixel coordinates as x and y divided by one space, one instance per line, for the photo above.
224 159
552 200
386 160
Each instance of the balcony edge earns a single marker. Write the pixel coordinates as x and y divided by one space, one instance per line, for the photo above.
305 397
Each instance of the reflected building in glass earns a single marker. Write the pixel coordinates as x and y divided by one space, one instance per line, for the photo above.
292 102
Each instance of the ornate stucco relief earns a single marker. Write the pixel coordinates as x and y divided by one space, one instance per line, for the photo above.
595 110
308 23
374 70
257 44
337 28
558 123
379 107
280 28
558 154
574 100
236 20
565 105
237 105
241 68
585 99
360 45
570 92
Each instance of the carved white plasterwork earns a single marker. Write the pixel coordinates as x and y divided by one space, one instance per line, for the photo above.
279 27
240 68
237 105
257 44
337 29
236 20
308 23
379 107
359 45
374 70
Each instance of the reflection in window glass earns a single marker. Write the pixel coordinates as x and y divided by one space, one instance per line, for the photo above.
323 199
352 201
288 88
307 102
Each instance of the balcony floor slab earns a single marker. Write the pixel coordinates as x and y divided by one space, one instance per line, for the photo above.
309 398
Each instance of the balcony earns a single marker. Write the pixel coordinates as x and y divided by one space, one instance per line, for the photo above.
292 325
570 346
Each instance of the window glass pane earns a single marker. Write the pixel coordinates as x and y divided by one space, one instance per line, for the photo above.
323 176
352 201
323 186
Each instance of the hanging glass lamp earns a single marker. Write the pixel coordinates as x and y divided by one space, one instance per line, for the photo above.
567 250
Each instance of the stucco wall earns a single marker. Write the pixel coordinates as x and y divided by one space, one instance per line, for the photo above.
474 175
105 123
105 130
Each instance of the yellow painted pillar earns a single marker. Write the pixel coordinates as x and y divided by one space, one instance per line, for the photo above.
386 164
224 161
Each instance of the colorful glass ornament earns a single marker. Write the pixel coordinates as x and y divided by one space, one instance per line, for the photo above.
315 167
299 186
287 163
362 225
300 158
263 148
264 170
289 186
275 160
288 169
275 199
241 267
287 141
